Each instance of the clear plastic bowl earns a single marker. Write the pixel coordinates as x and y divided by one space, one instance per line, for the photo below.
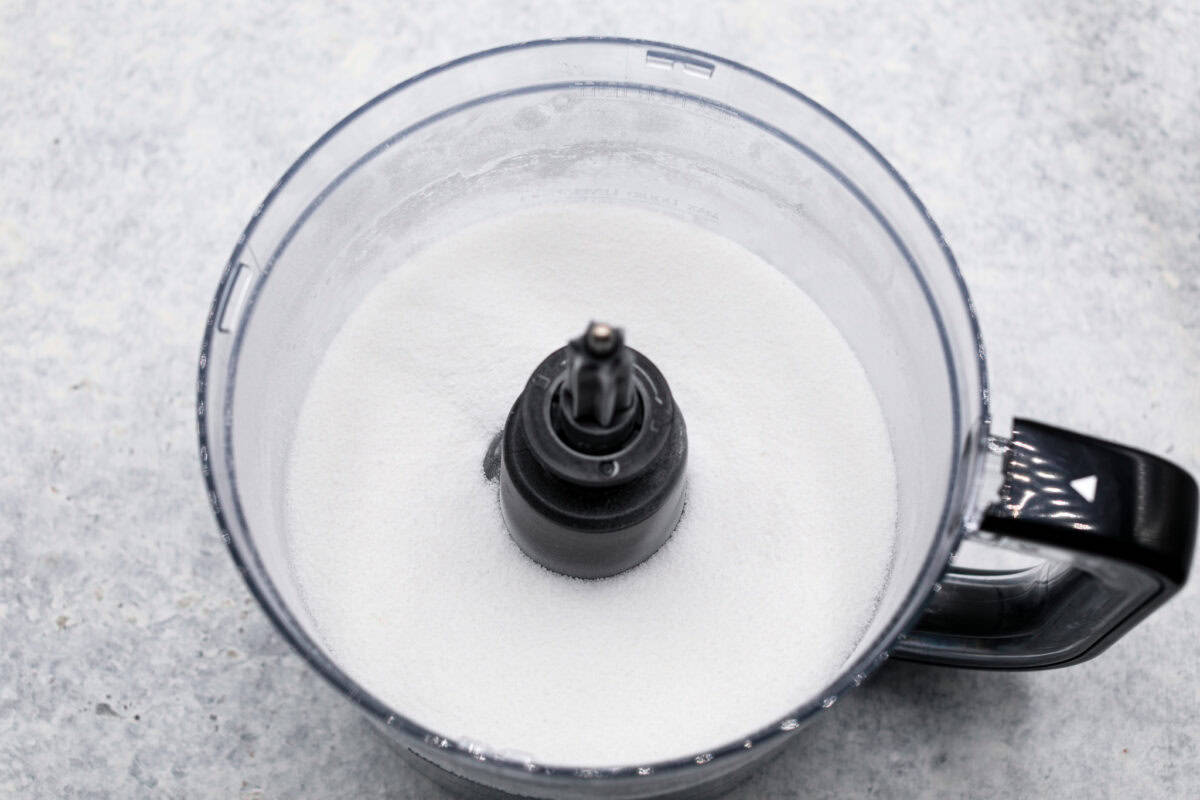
683 133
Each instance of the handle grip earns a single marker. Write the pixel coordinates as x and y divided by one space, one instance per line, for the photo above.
1118 527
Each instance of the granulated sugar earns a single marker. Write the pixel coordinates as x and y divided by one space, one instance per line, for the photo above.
748 611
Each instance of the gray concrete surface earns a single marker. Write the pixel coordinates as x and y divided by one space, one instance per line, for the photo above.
1058 144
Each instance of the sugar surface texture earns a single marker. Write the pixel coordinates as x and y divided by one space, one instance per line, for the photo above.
750 608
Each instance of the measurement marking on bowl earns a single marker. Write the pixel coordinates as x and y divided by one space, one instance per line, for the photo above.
239 289
660 59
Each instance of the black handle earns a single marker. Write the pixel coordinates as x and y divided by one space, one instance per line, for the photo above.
1118 527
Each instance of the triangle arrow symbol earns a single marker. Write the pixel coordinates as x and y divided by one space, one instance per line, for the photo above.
1086 487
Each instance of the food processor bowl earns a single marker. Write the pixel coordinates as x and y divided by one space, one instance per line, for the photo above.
719 146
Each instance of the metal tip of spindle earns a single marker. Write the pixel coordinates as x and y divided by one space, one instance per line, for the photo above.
600 338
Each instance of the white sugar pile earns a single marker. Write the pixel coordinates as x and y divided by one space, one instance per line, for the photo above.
750 608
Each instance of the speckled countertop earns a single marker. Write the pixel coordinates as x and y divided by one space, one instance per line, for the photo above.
1058 145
